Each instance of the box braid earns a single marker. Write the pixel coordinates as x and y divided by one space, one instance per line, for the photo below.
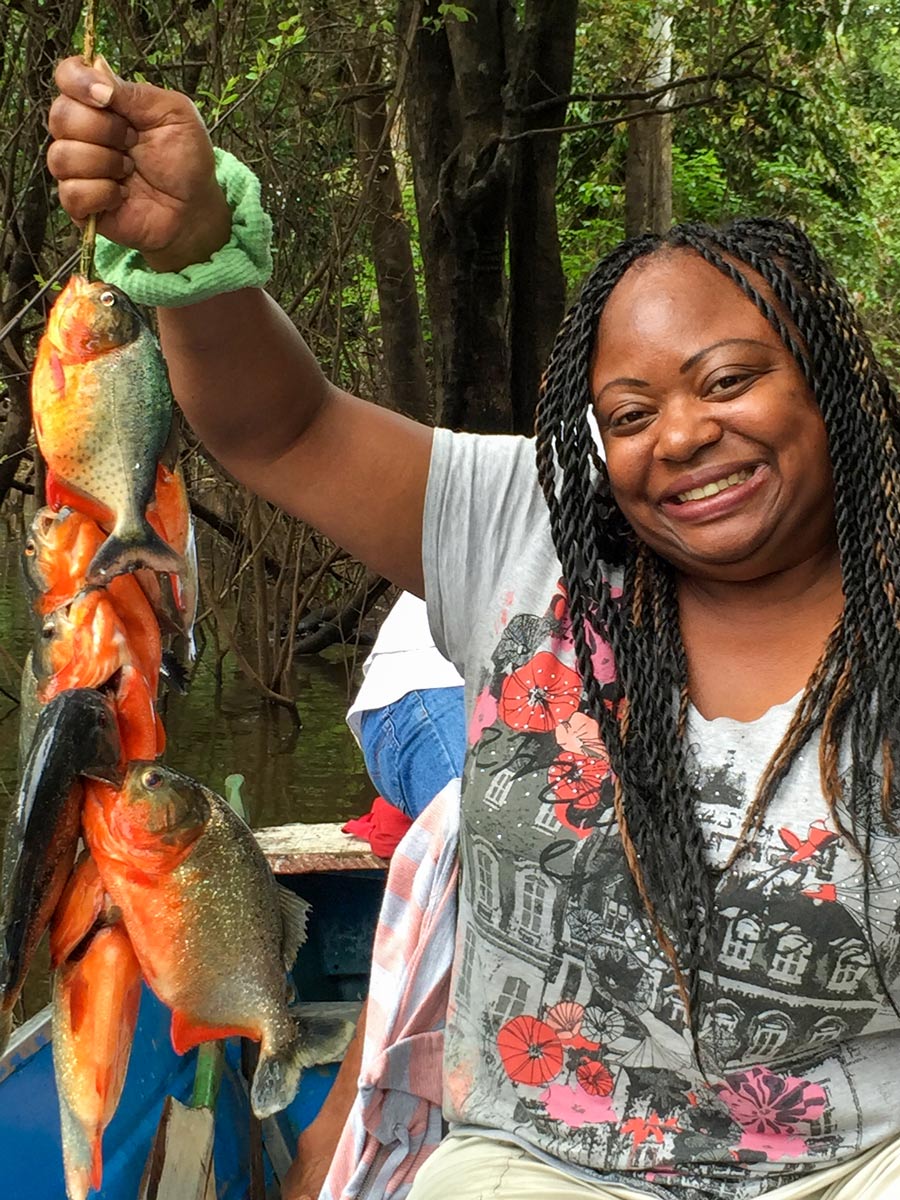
855 687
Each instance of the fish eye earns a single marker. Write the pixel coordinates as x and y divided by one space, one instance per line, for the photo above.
107 298
29 547
151 780
47 632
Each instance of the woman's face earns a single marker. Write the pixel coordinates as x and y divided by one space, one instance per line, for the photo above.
716 450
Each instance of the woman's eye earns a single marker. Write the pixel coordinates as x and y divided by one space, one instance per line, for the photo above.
628 416
726 382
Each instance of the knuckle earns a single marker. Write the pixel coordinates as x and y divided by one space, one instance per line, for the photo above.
70 199
59 115
56 160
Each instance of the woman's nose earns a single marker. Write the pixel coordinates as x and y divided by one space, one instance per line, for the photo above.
684 426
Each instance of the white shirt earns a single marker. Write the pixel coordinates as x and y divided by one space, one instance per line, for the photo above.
404 659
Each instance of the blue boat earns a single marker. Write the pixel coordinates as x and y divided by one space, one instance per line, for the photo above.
344 882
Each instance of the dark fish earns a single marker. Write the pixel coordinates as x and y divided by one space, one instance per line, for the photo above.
76 735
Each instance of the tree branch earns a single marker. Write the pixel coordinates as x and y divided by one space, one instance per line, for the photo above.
653 111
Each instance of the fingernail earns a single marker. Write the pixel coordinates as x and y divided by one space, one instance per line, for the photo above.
131 137
100 93
129 166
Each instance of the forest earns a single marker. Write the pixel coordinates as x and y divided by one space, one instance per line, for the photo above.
441 177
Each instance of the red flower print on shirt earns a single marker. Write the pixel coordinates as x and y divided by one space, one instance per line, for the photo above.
531 1051
539 695
594 1078
576 779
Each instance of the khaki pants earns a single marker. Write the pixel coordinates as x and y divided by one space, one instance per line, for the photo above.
468 1167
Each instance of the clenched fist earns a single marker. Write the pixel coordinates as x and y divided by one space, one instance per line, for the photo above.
140 158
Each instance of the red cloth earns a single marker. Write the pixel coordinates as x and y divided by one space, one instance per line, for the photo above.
382 827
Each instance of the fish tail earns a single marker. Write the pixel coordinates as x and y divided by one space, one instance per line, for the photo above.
96 1161
318 1039
81 1155
129 549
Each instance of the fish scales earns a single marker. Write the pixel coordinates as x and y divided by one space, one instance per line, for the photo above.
206 919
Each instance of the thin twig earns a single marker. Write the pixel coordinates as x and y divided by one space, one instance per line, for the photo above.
89 236
62 269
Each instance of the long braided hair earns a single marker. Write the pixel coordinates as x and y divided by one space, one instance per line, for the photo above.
853 692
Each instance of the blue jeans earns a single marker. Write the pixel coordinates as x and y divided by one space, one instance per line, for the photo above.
415 746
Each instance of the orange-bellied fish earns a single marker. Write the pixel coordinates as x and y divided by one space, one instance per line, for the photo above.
56 556
55 560
96 997
102 409
76 735
86 645
213 931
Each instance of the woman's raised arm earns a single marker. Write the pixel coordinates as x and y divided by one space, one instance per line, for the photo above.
141 159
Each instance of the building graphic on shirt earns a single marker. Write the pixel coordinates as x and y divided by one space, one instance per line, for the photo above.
557 952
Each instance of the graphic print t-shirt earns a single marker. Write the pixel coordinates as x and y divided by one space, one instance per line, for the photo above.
566 1032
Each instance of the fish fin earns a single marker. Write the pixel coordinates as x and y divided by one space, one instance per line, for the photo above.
277 1077
175 673
188 1033
143 547
323 1039
77 911
97 1161
294 916
79 1154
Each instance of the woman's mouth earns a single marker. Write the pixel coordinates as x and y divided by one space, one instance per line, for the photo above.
719 497
713 489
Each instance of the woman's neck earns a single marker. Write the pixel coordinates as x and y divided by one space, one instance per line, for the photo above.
750 645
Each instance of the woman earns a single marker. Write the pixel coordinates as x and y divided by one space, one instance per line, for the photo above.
677 937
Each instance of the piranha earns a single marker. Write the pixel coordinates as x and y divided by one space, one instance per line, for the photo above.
96 997
213 931
76 735
56 556
102 409
94 642
55 560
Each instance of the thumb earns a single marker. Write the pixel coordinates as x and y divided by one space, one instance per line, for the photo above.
141 104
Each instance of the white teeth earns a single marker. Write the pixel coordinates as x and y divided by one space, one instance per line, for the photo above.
713 489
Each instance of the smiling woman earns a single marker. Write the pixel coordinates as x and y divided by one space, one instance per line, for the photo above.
718 459
678 965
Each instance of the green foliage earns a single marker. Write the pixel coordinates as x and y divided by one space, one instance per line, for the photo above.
448 12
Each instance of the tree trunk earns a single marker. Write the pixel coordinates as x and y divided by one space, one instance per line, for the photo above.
537 283
401 328
30 190
473 199
648 160
432 131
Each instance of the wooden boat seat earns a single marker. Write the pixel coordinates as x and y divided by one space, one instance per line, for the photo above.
307 849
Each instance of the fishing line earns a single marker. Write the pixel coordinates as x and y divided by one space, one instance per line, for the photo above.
89 236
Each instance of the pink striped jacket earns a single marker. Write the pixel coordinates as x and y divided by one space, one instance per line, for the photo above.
396 1122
